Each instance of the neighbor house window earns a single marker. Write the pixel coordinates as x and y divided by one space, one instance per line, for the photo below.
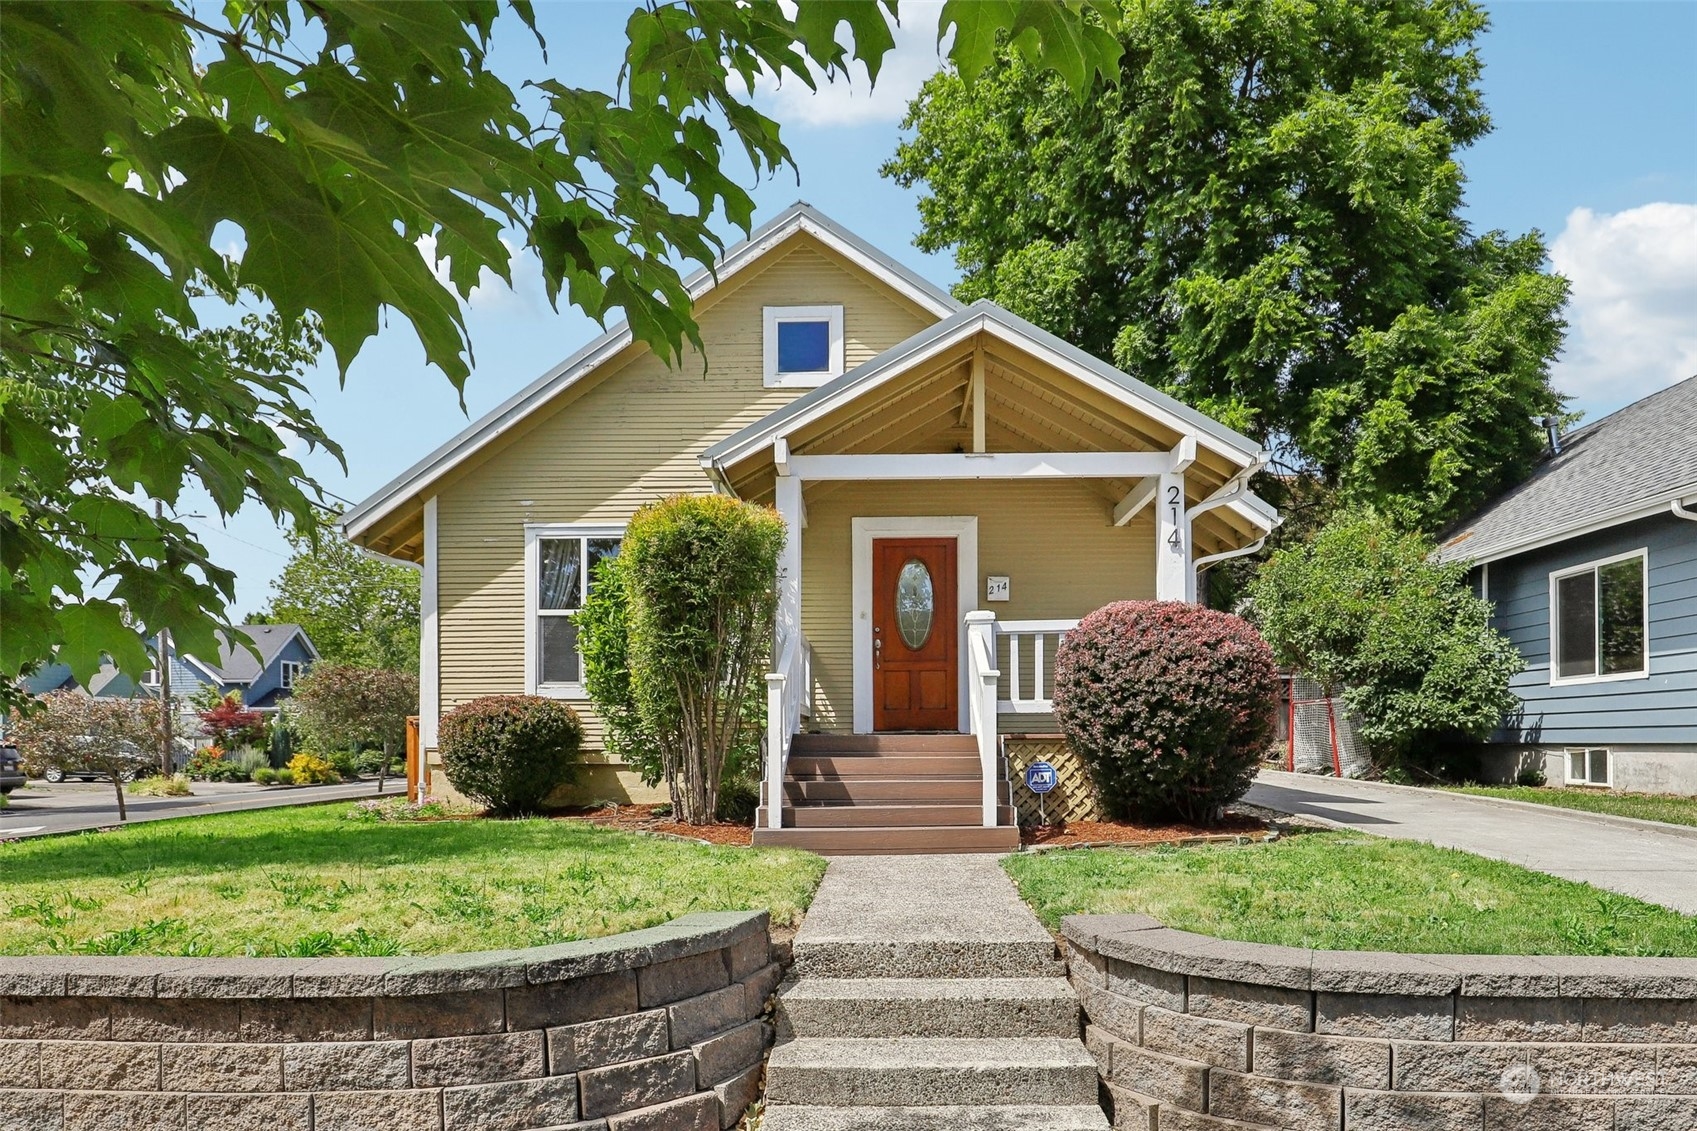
1590 766
561 561
150 677
291 672
1597 620
803 344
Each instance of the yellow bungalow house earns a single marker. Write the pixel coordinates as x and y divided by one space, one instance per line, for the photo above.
960 487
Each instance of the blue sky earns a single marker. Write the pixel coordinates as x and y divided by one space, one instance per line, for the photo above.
1595 145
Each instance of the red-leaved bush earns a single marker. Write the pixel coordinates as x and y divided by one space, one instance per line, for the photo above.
510 751
1170 706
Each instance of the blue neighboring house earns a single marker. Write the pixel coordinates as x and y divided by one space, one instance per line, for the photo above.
1591 566
285 654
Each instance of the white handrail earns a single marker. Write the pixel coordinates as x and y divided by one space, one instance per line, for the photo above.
787 690
1038 632
982 675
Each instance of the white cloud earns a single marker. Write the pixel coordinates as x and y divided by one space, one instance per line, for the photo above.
491 295
852 100
1632 321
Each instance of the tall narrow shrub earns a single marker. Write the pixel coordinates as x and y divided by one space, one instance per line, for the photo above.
701 577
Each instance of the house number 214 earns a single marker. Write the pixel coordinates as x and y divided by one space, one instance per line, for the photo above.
1175 500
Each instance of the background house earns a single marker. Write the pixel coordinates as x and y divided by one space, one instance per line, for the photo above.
285 654
1591 565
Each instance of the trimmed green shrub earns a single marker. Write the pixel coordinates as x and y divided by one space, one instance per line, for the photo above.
1170 705
701 581
1364 610
603 636
285 776
265 775
510 751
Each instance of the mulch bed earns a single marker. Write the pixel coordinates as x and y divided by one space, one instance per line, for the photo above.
1092 834
642 819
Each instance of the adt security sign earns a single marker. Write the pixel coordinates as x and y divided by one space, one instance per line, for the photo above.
1040 779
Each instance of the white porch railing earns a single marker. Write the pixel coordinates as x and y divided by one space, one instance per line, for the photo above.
1037 640
981 678
787 692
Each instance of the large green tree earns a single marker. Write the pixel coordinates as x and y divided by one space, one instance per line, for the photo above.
1263 217
360 610
333 139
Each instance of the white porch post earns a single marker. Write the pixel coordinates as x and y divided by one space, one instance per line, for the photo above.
787 639
1174 579
981 686
429 646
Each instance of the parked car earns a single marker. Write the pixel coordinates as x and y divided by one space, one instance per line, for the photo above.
11 768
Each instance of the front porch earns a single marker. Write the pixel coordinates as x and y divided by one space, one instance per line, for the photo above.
952 512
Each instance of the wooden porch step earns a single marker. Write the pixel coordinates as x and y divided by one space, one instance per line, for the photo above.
873 791
889 840
877 744
812 767
892 815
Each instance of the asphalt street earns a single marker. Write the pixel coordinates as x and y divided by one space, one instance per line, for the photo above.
42 809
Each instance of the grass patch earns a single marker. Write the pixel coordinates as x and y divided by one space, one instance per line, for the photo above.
1674 810
1341 891
310 881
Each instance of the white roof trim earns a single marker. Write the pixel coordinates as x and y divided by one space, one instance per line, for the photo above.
987 317
1456 548
799 218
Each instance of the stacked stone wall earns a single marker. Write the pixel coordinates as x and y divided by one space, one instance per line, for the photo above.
1193 1033
656 1030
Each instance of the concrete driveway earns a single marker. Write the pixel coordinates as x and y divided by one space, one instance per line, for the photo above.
42 809
1633 858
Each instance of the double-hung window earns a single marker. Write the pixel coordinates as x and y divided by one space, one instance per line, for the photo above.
560 566
803 344
1598 620
291 671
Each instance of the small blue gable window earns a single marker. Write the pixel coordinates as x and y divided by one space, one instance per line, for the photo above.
804 347
803 344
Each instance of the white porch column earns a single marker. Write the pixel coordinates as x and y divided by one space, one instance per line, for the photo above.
789 560
1174 579
429 651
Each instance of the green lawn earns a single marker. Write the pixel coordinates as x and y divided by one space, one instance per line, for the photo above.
1343 891
311 881
1643 806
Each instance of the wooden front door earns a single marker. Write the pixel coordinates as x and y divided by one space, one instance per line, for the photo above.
915 654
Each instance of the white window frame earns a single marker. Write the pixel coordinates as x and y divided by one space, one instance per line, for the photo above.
1608 766
150 677
1556 576
287 673
773 316
534 533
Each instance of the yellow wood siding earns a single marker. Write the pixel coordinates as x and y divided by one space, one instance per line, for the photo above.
620 438
1053 539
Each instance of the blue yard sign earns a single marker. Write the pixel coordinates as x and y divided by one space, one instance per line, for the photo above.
1040 779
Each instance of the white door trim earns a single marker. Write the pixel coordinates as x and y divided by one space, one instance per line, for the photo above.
964 530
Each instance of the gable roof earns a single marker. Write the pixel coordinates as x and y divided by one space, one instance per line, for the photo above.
980 316
1631 464
236 664
798 218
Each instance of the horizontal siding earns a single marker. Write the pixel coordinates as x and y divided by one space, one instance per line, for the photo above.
1054 539
625 437
1659 708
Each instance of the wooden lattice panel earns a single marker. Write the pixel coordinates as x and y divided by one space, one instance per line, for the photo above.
1072 799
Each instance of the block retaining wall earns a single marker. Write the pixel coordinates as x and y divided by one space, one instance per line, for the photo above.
654 1030
1193 1033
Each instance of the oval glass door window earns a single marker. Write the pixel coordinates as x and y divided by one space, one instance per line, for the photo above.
915 603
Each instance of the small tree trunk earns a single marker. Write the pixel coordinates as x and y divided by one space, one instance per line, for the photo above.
383 766
118 784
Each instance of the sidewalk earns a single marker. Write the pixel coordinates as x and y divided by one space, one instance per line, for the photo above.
1645 864
43 810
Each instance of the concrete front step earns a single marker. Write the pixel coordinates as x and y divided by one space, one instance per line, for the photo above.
928 1007
893 840
1007 1117
846 816
923 958
928 1072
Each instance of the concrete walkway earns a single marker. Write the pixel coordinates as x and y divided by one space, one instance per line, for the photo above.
1643 863
926 997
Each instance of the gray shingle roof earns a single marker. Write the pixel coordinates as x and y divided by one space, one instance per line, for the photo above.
237 665
1627 465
